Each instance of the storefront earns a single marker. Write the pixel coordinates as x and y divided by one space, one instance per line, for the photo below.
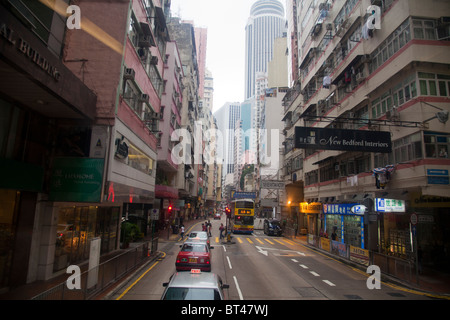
77 226
394 228
343 224
432 226
312 211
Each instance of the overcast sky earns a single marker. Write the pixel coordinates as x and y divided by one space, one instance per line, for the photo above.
225 20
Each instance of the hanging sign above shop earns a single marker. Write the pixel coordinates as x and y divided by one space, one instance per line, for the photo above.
340 139
389 205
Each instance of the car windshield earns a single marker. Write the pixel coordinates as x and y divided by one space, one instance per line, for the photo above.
192 294
191 247
201 235
275 223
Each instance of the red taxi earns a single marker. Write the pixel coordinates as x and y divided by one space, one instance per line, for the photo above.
194 255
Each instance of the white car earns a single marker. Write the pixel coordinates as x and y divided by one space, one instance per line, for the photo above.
194 285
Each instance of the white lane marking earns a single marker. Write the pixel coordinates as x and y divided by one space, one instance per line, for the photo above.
331 284
303 266
229 263
294 260
238 289
315 274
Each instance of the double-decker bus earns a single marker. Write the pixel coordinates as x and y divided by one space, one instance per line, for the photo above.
244 215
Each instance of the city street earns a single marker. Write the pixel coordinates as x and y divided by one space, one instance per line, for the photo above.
259 267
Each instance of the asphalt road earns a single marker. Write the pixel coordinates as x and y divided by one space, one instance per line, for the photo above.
259 267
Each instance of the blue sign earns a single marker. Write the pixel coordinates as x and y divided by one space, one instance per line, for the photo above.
339 208
243 195
438 176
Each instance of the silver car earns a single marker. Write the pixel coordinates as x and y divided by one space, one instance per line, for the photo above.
194 285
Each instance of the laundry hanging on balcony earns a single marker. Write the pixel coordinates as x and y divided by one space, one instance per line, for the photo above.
383 175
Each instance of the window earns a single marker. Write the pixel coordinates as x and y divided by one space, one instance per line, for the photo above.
131 95
424 29
390 46
408 148
434 84
437 145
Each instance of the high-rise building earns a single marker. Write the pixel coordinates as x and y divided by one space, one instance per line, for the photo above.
266 22
227 117
201 37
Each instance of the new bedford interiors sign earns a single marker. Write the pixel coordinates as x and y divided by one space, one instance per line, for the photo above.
340 139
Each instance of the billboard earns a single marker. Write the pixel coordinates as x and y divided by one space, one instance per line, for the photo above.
342 139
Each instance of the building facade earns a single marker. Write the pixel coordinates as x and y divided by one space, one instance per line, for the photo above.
88 130
266 22
386 73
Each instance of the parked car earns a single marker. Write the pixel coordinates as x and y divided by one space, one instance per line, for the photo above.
194 285
272 227
194 255
217 216
199 236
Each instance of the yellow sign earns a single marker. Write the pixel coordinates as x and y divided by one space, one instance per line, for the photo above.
313 207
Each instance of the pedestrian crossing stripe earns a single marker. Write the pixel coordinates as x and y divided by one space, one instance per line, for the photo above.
248 239
239 239
269 241
259 241
279 241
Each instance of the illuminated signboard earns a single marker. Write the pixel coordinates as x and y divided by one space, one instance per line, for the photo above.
389 205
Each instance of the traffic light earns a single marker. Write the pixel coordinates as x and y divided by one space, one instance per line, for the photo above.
169 209
228 211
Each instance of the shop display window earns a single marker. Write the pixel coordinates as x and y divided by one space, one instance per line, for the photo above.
334 225
77 226
352 230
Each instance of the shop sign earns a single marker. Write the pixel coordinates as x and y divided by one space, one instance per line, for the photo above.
121 148
325 244
389 205
341 139
76 180
358 209
359 255
339 208
314 207
272 184
28 51
243 195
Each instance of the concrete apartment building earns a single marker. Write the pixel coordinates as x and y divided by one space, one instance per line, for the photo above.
168 169
393 82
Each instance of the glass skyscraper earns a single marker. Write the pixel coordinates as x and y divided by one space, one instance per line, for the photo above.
266 22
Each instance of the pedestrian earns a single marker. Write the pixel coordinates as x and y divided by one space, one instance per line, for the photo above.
203 227
334 234
221 228
209 228
182 232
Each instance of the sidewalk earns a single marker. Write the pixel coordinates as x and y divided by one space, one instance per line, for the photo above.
430 282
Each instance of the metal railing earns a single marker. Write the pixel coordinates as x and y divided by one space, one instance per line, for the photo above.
104 275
